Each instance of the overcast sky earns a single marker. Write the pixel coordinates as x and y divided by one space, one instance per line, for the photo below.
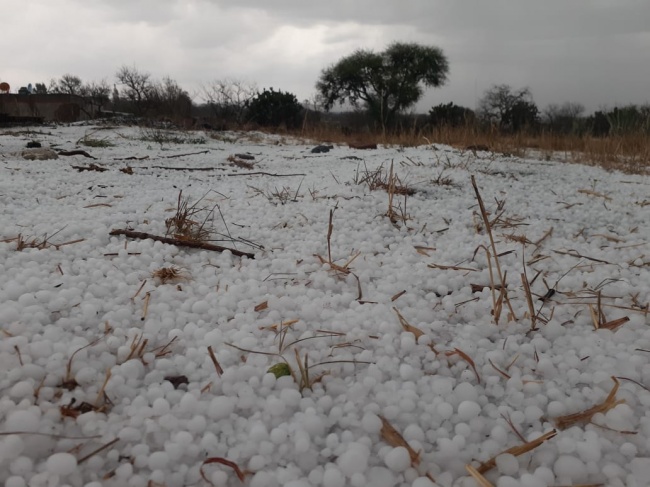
595 52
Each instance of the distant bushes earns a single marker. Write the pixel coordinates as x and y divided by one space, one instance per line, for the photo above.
272 108
451 115
235 104
505 110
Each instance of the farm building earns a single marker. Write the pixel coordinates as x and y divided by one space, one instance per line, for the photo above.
17 108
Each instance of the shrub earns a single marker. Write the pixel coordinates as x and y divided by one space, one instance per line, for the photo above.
450 115
272 108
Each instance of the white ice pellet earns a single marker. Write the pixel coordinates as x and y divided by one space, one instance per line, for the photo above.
445 410
188 404
398 459
11 447
529 480
570 467
160 406
15 481
298 483
468 410
533 413
507 464
380 477
465 392
354 459
200 307
414 432
407 342
61 464
159 460
22 389
423 482
358 480
589 451
26 420
406 372
290 397
332 477
129 434
221 407
302 442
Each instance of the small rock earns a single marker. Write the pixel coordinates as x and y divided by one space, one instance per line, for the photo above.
33 144
39 154
245 157
321 149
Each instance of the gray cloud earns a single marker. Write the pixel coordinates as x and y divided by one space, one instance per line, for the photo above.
596 52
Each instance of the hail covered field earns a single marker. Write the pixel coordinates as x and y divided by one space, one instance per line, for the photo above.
185 309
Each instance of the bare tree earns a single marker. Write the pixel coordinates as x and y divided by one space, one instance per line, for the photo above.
137 87
509 109
169 99
68 84
563 118
97 94
228 99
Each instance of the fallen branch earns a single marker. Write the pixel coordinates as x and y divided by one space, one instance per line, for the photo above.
565 422
516 451
75 153
265 174
132 158
180 243
190 154
188 168
574 253
90 167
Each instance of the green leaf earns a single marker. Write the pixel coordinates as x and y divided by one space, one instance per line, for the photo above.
280 369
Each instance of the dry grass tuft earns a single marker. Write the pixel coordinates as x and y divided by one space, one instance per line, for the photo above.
503 294
187 222
466 358
516 451
389 181
564 422
393 437
170 273
628 153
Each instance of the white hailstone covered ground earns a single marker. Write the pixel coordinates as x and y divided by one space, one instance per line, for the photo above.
105 374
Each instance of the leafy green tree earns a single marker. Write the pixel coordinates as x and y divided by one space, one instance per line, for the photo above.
385 83
272 108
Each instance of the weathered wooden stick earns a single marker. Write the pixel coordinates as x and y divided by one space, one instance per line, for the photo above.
180 243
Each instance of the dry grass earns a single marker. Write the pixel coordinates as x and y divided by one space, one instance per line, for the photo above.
190 222
564 422
516 451
170 273
627 153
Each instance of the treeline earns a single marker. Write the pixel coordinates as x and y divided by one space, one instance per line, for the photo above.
506 110
224 104
235 104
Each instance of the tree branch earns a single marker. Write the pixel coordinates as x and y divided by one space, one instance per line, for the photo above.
179 243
